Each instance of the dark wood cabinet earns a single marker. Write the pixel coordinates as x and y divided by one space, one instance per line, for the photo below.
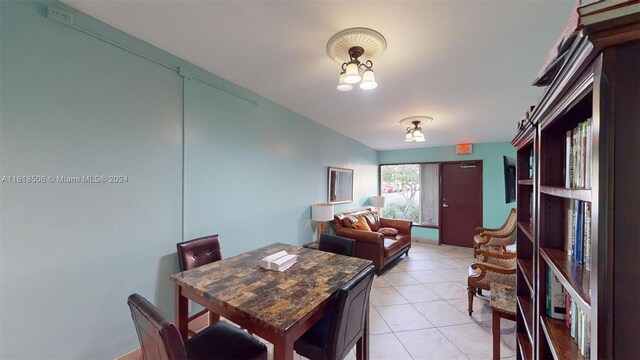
578 203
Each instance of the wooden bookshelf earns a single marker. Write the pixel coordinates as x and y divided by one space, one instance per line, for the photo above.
524 347
577 201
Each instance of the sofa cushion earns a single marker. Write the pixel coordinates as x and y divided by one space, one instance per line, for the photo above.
391 247
361 224
386 231
372 220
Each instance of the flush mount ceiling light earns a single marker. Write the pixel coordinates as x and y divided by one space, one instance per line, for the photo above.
414 129
355 49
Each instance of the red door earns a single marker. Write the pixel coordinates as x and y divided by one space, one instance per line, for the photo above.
461 208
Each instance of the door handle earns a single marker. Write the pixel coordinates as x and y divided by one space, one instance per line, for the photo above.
445 205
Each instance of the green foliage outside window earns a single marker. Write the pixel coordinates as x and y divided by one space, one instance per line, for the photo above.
405 181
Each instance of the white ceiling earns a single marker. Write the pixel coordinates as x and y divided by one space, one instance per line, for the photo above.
468 64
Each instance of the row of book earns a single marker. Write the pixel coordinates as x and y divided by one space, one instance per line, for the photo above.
578 232
578 157
561 306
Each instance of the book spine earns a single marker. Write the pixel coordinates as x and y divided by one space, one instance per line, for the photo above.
567 160
589 153
579 232
587 236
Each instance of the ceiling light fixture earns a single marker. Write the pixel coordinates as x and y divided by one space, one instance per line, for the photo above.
355 49
414 130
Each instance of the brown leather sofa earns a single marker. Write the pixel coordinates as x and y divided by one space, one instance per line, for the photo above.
373 245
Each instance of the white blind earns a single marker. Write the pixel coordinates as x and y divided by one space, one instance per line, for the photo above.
429 190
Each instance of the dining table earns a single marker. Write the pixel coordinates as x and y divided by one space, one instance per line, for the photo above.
279 307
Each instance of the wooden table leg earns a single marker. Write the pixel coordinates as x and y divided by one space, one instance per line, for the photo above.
182 313
362 346
283 349
495 330
213 318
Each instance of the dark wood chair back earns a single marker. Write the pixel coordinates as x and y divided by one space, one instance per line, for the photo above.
333 336
198 252
159 338
337 244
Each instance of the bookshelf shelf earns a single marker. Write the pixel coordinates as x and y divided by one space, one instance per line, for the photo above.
527 228
526 310
575 194
559 338
524 347
526 266
577 200
573 276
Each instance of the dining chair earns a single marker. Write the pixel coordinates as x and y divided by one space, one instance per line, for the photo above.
160 339
337 244
198 252
333 336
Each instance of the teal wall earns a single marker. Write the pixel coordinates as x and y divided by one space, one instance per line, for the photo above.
71 104
494 208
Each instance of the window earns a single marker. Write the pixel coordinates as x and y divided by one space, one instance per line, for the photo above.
412 192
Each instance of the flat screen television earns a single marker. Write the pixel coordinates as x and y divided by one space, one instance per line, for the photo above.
509 179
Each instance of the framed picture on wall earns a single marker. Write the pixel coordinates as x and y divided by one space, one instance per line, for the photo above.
340 189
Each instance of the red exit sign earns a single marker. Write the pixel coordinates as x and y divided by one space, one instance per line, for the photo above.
462 149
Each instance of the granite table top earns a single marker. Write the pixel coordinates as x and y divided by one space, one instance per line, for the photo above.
275 300
503 298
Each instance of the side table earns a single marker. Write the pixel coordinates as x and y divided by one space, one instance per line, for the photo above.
503 304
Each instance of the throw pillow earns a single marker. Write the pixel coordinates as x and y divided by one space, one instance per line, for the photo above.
388 231
361 224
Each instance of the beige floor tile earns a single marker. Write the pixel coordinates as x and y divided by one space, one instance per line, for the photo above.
409 266
387 347
507 331
436 264
392 269
473 341
441 313
427 277
403 317
429 344
417 293
400 278
386 296
377 325
448 290
481 307
379 282
454 274
426 255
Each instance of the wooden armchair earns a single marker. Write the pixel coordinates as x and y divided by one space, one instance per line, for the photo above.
495 238
493 268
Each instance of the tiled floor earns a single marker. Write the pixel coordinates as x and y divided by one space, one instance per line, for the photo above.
419 310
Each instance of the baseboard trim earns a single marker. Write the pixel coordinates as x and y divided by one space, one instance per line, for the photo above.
425 240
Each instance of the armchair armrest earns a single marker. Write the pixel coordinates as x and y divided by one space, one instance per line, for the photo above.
484 229
487 255
403 226
485 267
